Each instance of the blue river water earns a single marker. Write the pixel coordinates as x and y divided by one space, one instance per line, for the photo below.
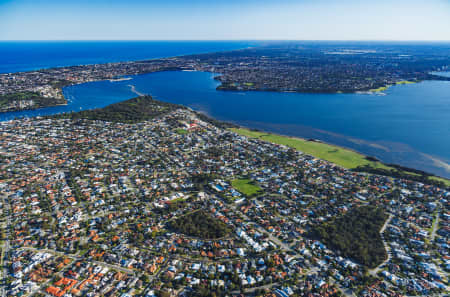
410 125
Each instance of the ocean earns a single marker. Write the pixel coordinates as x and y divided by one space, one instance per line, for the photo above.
16 56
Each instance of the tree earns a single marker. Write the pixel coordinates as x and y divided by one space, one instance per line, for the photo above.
355 235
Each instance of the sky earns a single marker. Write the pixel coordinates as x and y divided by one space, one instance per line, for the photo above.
225 20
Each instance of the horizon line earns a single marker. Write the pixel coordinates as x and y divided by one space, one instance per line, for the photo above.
229 40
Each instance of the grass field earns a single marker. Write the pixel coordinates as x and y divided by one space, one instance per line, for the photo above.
402 82
246 187
174 201
338 155
380 89
181 131
405 82
343 157
444 180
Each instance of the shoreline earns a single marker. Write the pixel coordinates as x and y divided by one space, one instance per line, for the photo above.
386 87
232 85
220 87
63 98
38 68
120 79
296 142
37 108
339 155
362 155
133 89
377 91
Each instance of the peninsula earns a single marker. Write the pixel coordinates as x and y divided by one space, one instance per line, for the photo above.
284 67
26 100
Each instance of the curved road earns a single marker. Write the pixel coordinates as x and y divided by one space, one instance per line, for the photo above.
386 247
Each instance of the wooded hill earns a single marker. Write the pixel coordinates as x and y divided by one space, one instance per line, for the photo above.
355 235
200 224
130 111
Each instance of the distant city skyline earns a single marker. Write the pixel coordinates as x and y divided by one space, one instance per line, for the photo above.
225 20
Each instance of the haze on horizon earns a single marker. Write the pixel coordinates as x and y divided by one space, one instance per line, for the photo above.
225 20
